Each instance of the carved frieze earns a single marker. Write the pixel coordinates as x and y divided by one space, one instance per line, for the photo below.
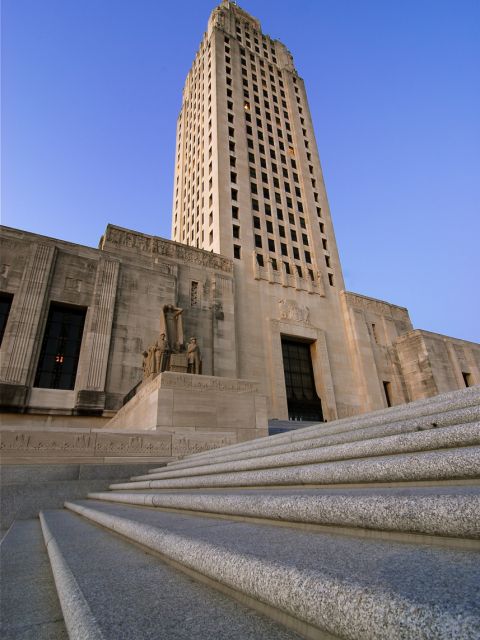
186 445
45 442
376 306
98 444
154 246
119 444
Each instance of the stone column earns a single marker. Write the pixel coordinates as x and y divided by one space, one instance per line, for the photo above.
323 376
224 362
20 343
94 358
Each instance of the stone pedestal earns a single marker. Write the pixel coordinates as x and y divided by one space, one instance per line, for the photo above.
178 362
196 405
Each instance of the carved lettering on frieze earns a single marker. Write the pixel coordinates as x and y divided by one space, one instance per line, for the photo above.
187 381
291 310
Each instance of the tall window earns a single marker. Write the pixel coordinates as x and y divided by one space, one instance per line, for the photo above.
5 304
57 366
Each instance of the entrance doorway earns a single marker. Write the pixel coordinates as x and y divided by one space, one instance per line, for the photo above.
303 401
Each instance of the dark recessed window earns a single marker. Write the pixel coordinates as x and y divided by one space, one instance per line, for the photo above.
57 366
236 251
5 304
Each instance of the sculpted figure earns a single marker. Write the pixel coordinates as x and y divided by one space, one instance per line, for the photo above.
173 327
148 361
193 356
161 349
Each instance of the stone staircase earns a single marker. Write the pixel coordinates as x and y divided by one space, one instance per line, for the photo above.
363 528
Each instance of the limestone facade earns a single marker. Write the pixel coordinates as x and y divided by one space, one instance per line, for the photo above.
361 349
123 287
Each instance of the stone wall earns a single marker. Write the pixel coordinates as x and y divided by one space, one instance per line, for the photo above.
432 363
123 286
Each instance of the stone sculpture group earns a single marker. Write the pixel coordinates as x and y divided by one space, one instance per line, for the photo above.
157 357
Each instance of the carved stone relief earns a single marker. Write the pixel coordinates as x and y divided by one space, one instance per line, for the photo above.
291 310
152 245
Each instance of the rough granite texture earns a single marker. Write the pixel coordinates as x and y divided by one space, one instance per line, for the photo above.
463 398
425 465
79 619
444 513
366 433
357 589
447 437
307 437
132 595
29 606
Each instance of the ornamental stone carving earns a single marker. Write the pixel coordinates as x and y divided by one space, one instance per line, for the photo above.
193 356
291 310
154 246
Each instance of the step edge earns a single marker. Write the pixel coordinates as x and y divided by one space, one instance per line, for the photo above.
281 586
292 516
79 619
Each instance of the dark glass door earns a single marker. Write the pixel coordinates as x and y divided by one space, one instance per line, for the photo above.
303 401
57 367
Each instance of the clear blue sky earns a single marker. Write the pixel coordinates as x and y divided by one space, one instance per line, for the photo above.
91 92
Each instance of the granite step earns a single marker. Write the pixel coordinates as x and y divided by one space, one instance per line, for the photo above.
29 605
111 590
344 585
342 429
454 400
461 463
452 418
433 439
429 511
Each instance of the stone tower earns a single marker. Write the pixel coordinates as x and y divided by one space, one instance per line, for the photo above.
248 184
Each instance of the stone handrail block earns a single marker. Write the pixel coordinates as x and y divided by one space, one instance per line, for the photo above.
424 465
463 398
442 418
368 435
454 515
357 589
448 437
79 620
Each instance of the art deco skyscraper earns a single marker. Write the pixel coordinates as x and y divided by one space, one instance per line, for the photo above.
248 184
248 179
